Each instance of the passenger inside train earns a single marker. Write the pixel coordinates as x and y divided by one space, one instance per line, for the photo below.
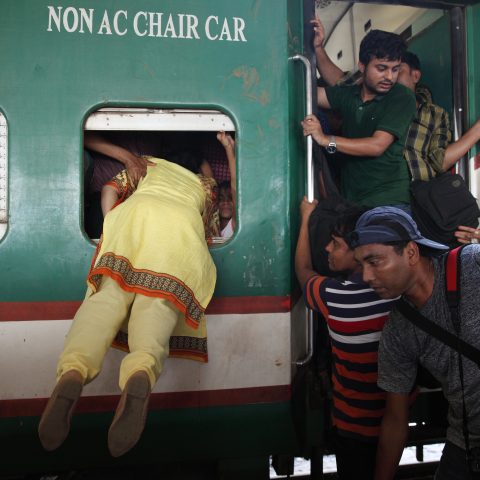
373 171
143 276
107 153
428 151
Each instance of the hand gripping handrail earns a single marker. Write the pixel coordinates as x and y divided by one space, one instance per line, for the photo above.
308 110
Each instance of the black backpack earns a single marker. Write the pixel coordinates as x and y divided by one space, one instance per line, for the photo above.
440 205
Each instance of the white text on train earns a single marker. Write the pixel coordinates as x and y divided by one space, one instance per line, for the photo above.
145 24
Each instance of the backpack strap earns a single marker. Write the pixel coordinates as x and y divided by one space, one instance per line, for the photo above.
452 281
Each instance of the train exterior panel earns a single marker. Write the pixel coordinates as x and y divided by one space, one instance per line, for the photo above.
66 61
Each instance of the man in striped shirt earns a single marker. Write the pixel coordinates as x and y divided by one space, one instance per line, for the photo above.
355 316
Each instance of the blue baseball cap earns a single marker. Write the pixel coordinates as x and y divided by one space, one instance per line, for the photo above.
388 224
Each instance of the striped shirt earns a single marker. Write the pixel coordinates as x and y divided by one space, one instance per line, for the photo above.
428 138
355 317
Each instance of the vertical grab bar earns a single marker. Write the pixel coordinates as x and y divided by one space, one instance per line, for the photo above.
310 191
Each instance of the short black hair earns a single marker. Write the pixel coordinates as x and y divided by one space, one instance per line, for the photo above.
381 44
411 60
188 159
346 221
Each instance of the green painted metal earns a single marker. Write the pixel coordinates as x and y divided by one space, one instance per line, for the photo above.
436 61
473 66
173 435
60 77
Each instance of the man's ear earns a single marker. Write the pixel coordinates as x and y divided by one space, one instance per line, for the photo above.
413 252
417 74
361 66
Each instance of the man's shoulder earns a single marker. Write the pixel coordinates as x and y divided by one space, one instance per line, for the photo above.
400 92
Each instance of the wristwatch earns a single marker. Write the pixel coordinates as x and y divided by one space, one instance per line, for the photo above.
332 145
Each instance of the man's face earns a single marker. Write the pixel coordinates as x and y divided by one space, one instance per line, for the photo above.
340 256
408 77
379 75
387 272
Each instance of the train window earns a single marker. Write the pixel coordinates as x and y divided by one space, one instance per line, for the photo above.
3 175
153 132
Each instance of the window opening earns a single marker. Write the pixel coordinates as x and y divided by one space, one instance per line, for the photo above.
154 133
3 175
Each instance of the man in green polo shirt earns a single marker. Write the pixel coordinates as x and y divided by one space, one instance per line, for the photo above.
376 116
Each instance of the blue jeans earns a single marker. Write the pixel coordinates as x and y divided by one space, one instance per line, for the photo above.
453 465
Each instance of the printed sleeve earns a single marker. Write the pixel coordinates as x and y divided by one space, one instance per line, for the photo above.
211 219
400 112
123 186
397 359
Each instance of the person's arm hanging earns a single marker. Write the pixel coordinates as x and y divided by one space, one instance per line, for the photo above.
373 146
393 435
136 166
458 149
327 69
303 258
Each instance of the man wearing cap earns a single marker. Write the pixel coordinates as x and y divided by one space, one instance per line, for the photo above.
397 260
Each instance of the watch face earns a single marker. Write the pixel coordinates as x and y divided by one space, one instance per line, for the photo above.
331 148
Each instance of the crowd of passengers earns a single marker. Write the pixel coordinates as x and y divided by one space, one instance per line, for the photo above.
391 133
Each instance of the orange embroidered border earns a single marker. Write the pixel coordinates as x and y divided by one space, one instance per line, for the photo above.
180 346
149 283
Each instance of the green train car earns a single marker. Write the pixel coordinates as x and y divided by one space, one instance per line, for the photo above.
178 70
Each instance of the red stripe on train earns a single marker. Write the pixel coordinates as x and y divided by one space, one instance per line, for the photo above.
107 403
17 311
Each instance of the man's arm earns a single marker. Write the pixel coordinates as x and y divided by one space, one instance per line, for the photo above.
393 435
136 166
322 99
458 149
228 144
373 146
303 258
328 70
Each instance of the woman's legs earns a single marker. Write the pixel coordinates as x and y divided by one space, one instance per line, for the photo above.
94 327
150 326
152 321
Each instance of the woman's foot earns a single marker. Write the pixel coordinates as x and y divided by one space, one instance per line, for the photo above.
55 422
129 420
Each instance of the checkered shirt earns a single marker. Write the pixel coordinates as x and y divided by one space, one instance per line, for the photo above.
428 137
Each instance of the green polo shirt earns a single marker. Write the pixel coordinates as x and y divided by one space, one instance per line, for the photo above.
383 180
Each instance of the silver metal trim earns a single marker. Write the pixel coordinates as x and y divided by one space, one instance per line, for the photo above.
3 173
310 194
153 119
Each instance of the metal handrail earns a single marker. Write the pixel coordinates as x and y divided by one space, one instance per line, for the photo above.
310 193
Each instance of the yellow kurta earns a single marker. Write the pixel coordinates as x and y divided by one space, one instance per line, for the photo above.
153 244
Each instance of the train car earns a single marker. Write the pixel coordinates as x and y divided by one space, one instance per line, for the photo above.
180 70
